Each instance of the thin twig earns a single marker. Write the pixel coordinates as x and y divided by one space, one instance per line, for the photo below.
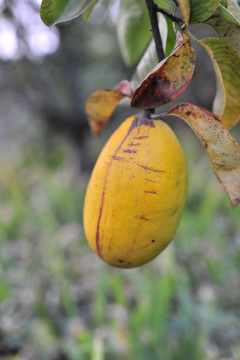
176 19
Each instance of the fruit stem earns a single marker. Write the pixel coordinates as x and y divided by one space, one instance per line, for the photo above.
148 113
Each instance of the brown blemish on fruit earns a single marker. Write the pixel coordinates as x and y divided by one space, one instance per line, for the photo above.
147 245
150 169
98 222
132 144
150 123
130 151
174 211
120 261
114 157
153 181
150 192
142 217
140 137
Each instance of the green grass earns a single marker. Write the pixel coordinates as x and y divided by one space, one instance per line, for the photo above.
57 298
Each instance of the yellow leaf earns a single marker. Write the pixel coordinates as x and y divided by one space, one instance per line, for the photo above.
101 104
169 78
185 9
226 62
223 150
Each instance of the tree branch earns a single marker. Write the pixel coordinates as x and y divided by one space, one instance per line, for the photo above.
152 10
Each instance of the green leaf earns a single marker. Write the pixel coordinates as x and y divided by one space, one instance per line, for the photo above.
224 3
56 11
226 62
171 37
148 61
133 29
234 9
5 291
89 10
171 2
197 11
202 10
225 14
226 26
185 9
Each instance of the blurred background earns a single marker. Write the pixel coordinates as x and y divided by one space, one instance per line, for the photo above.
58 301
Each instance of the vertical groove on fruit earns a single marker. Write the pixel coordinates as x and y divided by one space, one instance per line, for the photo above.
134 124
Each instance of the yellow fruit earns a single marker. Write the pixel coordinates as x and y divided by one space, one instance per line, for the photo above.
136 193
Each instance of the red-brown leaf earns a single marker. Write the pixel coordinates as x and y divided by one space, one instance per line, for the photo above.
125 87
169 78
223 150
101 104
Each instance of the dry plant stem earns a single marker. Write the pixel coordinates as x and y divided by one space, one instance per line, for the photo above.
152 11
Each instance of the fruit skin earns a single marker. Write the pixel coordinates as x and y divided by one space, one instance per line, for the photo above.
136 193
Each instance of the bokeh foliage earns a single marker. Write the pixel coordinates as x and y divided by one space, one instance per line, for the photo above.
57 299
